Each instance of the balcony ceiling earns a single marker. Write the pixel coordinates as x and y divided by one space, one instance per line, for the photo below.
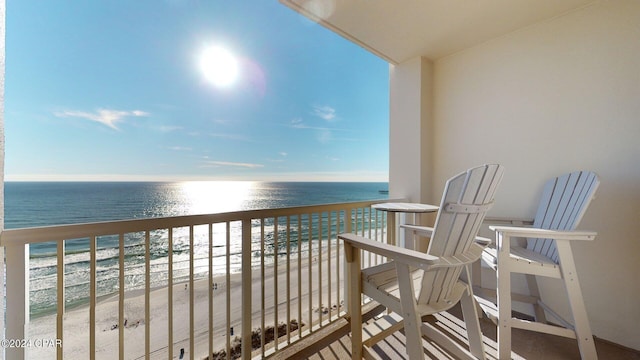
398 30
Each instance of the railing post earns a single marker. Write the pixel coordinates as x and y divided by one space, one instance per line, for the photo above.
17 297
347 229
2 147
246 289
2 297
60 298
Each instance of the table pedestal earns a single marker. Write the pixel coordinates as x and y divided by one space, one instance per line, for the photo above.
403 209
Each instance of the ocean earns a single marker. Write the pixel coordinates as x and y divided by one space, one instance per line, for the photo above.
34 204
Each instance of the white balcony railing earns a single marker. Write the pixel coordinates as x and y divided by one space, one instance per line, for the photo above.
187 286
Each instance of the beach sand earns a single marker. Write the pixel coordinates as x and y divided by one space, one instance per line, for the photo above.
76 321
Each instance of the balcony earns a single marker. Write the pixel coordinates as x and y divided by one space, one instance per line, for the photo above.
541 88
211 286
184 286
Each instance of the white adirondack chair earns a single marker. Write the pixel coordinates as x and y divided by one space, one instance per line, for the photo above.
413 284
547 253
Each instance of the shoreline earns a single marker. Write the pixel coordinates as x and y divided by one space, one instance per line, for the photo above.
181 279
76 320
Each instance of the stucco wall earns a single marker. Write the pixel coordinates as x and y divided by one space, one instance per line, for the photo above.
559 96
411 104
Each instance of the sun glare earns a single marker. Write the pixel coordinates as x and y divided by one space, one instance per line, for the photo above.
219 66
207 197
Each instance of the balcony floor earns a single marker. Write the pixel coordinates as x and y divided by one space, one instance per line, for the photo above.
526 344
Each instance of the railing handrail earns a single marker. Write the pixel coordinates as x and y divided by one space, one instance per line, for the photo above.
31 235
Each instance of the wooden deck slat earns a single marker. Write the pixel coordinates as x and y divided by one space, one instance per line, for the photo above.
526 344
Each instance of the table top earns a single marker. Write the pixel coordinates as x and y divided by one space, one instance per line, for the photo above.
406 207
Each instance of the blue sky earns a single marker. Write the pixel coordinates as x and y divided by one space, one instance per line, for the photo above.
116 90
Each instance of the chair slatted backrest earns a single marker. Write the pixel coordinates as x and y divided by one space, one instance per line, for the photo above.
564 201
466 199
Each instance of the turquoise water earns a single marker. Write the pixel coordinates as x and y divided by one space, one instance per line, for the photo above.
31 204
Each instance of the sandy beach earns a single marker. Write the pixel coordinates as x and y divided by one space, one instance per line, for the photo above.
76 321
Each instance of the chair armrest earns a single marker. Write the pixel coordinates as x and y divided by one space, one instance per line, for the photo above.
420 230
412 257
391 251
512 231
428 231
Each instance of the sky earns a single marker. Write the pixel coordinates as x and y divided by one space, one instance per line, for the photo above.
174 90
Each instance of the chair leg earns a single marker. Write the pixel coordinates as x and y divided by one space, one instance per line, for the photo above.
476 274
409 313
470 314
353 301
578 310
476 280
503 274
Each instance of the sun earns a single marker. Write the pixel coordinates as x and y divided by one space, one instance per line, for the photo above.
219 66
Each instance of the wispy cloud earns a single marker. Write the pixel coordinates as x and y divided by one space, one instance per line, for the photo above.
230 164
139 113
325 112
299 124
323 134
108 117
180 148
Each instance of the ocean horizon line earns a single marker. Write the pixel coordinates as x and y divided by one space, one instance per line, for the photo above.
363 176
212 181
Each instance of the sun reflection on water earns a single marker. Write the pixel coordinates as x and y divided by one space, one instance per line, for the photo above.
206 197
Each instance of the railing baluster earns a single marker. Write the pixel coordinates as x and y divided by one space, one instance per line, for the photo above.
246 289
368 221
288 278
275 282
379 232
347 229
338 259
329 280
191 296
309 270
299 275
121 289
357 224
211 290
228 288
92 297
170 292
262 287
147 295
320 304
371 255
60 303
